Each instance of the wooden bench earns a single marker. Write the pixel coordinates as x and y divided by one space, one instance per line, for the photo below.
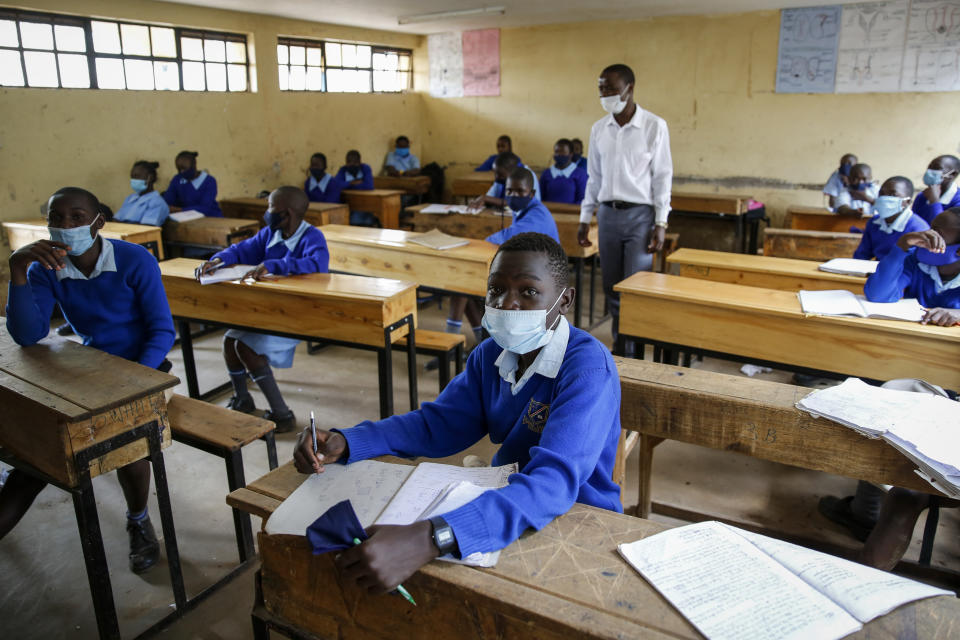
441 345
809 245
821 219
223 432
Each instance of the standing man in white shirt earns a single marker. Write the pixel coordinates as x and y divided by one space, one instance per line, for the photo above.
631 173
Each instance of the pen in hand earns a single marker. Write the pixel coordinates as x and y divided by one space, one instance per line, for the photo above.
313 429
400 588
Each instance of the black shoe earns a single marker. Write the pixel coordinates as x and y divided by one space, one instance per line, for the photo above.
243 404
65 330
838 510
286 422
144 547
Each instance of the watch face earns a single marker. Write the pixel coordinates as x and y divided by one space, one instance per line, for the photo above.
444 536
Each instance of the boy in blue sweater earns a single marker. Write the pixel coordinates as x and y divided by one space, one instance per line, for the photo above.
548 392
400 162
144 205
496 196
356 174
504 144
288 245
191 189
891 219
565 181
111 294
941 192
320 185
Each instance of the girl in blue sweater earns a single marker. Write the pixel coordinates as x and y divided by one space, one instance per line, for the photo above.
288 245
320 185
565 181
191 189
547 392
356 174
111 294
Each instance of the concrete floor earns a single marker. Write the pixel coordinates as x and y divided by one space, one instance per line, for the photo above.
43 585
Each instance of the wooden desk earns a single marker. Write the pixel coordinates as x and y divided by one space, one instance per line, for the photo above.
383 203
564 581
318 213
473 184
820 219
809 245
366 313
208 233
411 185
766 326
759 271
386 253
685 204
23 232
71 413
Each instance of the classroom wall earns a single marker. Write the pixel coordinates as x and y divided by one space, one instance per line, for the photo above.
712 79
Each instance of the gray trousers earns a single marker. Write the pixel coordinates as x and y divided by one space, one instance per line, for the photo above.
623 235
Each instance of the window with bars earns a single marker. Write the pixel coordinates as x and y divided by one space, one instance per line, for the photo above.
57 51
342 67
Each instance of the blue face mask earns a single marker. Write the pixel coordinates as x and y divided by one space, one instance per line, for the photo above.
402 152
274 219
519 331
317 173
139 186
518 203
79 239
188 174
561 160
939 259
886 206
932 177
859 186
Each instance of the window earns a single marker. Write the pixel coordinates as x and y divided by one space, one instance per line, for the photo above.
48 50
341 67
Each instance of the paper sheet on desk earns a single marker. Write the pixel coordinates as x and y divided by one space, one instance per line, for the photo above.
186 216
453 497
447 208
227 274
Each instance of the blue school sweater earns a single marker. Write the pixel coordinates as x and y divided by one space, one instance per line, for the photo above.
876 243
562 432
123 311
929 211
146 208
308 253
488 163
199 194
901 275
563 185
327 189
536 217
348 175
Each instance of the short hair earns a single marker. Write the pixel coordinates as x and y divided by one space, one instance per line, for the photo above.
950 161
906 182
622 70
849 155
187 154
861 167
402 139
523 176
92 201
543 244
151 167
296 198
507 138
564 141
353 152
506 160
573 140
319 155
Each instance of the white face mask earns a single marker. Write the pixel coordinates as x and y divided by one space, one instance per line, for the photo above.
613 104
519 331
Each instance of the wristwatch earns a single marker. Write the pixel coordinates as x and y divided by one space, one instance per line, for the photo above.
660 224
443 535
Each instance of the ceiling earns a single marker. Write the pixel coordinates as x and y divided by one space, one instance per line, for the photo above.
383 14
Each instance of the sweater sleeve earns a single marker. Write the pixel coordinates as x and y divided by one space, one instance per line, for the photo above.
170 195
29 307
159 335
890 279
549 484
208 198
334 189
865 248
367 177
487 164
250 251
314 258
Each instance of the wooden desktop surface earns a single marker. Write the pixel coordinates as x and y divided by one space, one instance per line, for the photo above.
822 219
411 185
210 231
728 204
23 232
473 184
383 203
809 245
318 213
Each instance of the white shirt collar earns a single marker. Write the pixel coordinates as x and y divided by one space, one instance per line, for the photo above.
947 195
635 121
898 225
292 241
934 274
555 172
547 363
322 182
106 262
196 182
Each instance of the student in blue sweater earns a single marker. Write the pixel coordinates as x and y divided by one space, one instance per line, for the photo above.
891 219
320 185
941 192
504 144
839 180
144 205
288 245
547 392
565 181
355 173
111 294
924 265
192 190
503 166
400 162
576 145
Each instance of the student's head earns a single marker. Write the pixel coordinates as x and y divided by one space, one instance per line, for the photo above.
353 158
562 152
504 165
401 146
286 207
318 165
74 208
942 170
187 164
143 175
504 144
860 176
895 196
576 146
847 161
519 190
616 84
947 224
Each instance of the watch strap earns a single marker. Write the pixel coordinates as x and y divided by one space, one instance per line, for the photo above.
443 535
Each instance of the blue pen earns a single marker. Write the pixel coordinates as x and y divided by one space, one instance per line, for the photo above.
313 428
400 587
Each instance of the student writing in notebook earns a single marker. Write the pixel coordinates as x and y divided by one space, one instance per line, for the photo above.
941 193
503 166
891 219
547 392
859 195
839 179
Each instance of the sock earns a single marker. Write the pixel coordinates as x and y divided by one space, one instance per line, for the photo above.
138 517
268 385
478 334
239 380
454 326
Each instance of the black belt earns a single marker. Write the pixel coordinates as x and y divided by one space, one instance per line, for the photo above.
620 204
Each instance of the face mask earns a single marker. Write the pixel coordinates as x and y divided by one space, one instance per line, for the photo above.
845 169
139 186
939 259
886 206
79 239
402 152
859 186
613 104
561 160
519 331
187 174
317 173
518 203
274 219
932 177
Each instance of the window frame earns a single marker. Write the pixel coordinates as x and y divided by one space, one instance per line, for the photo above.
321 44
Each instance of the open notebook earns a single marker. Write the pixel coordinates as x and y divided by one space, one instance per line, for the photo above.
733 584
439 240
186 216
849 266
447 208
384 493
846 303
227 274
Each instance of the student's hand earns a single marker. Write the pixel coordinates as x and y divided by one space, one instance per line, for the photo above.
844 179
928 239
207 267
392 171
477 204
941 317
389 556
656 239
47 252
583 235
330 446
412 172
256 273
932 193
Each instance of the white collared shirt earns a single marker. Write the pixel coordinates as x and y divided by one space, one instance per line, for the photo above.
292 241
547 363
845 198
631 163
106 262
899 223
947 195
322 182
196 182
934 274
565 172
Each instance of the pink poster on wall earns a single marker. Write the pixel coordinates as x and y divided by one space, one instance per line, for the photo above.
481 62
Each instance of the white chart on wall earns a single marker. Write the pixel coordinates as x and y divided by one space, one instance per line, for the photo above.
445 51
932 58
872 36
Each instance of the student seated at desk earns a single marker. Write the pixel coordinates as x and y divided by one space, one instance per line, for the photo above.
288 245
111 294
576 145
400 162
504 145
941 192
503 166
547 392
892 218
355 173
192 190
320 185
858 197
565 181
839 180
144 205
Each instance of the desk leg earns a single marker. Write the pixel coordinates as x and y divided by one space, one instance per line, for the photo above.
754 236
91 540
385 370
412 366
166 519
647 443
189 364
578 285
739 239
929 531
241 520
